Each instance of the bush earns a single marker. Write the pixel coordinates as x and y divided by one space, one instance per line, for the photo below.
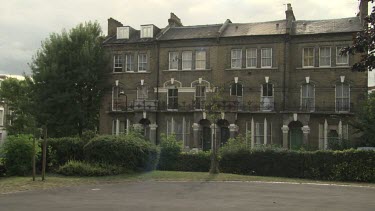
79 168
170 150
339 144
234 144
196 162
3 170
18 151
349 165
130 151
61 150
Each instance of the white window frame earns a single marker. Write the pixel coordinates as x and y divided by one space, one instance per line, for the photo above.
197 60
330 57
248 57
201 98
272 98
304 97
188 60
129 61
122 32
261 57
337 110
143 62
338 48
147 31
232 59
118 62
303 57
174 97
170 61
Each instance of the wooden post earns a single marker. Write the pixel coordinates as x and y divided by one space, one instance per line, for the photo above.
44 161
34 169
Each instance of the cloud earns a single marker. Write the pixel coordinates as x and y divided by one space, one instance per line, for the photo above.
24 24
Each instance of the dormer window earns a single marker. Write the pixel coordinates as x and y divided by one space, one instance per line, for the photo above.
146 31
122 32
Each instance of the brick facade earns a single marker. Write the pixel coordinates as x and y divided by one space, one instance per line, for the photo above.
282 82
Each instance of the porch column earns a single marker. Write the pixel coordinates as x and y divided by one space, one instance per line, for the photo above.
214 129
285 130
195 143
153 133
306 132
252 133
325 134
117 127
233 129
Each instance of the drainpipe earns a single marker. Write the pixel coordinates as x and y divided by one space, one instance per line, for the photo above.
157 93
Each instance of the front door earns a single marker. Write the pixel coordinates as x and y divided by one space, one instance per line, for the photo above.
295 138
224 135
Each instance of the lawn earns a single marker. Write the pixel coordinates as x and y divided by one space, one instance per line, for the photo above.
16 184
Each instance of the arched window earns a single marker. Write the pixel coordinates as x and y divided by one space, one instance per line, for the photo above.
308 97
267 100
342 97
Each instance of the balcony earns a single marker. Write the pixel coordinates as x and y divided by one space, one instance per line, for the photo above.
321 107
135 105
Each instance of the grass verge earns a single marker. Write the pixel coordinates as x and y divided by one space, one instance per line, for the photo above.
17 184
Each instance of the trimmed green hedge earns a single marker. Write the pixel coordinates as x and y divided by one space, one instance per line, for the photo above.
196 162
79 168
349 165
129 151
61 150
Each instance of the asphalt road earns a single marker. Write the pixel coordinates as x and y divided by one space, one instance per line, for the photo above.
194 196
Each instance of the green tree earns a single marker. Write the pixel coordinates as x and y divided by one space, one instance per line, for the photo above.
68 73
363 43
365 123
17 96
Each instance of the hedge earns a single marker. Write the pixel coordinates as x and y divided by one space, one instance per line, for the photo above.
129 151
196 162
61 150
79 168
349 165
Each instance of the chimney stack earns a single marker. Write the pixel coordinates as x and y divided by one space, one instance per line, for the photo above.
363 12
289 17
112 26
174 21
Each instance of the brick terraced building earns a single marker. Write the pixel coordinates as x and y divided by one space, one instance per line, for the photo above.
284 82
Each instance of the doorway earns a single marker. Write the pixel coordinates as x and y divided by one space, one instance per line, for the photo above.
295 135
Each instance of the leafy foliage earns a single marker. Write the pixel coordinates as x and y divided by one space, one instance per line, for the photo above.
18 151
234 144
349 165
61 150
130 151
17 96
170 149
68 73
364 43
365 123
79 168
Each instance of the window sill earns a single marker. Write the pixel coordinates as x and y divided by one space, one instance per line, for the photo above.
258 68
145 72
321 68
193 70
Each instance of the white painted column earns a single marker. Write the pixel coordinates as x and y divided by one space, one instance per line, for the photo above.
183 132
285 130
265 131
325 134
127 126
306 132
195 143
340 130
153 133
213 136
117 127
252 133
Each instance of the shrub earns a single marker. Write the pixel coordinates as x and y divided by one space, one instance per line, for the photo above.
339 144
196 162
79 168
234 144
18 151
130 151
349 165
61 150
3 170
170 149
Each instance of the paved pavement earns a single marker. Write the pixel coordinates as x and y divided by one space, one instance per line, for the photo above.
194 196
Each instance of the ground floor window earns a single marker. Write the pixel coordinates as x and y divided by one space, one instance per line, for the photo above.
263 133
180 127
119 126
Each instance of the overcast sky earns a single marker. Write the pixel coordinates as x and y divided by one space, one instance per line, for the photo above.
24 24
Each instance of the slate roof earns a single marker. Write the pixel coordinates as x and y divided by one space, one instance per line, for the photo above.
327 26
261 28
299 27
191 32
